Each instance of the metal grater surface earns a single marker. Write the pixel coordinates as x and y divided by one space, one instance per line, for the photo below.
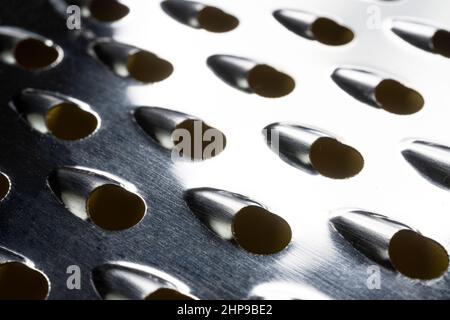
170 240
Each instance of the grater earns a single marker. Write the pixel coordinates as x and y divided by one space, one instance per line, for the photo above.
342 235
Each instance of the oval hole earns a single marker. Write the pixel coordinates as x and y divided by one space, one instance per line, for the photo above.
416 256
108 10
5 186
197 146
20 282
259 231
68 121
441 43
334 159
269 82
396 98
33 54
167 294
113 208
329 32
215 20
146 67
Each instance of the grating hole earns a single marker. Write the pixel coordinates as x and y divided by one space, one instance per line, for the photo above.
146 67
260 231
216 20
268 82
398 99
35 54
19 282
441 43
67 121
416 256
167 294
5 186
108 10
331 33
334 159
113 208
198 146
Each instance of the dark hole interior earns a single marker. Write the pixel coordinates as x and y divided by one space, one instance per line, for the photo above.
331 33
398 99
334 159
441 43
4 186
167 294
67 121
216 20
268 82
113 208
19 282
260 231
33 54
416 256
146 67
108 10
